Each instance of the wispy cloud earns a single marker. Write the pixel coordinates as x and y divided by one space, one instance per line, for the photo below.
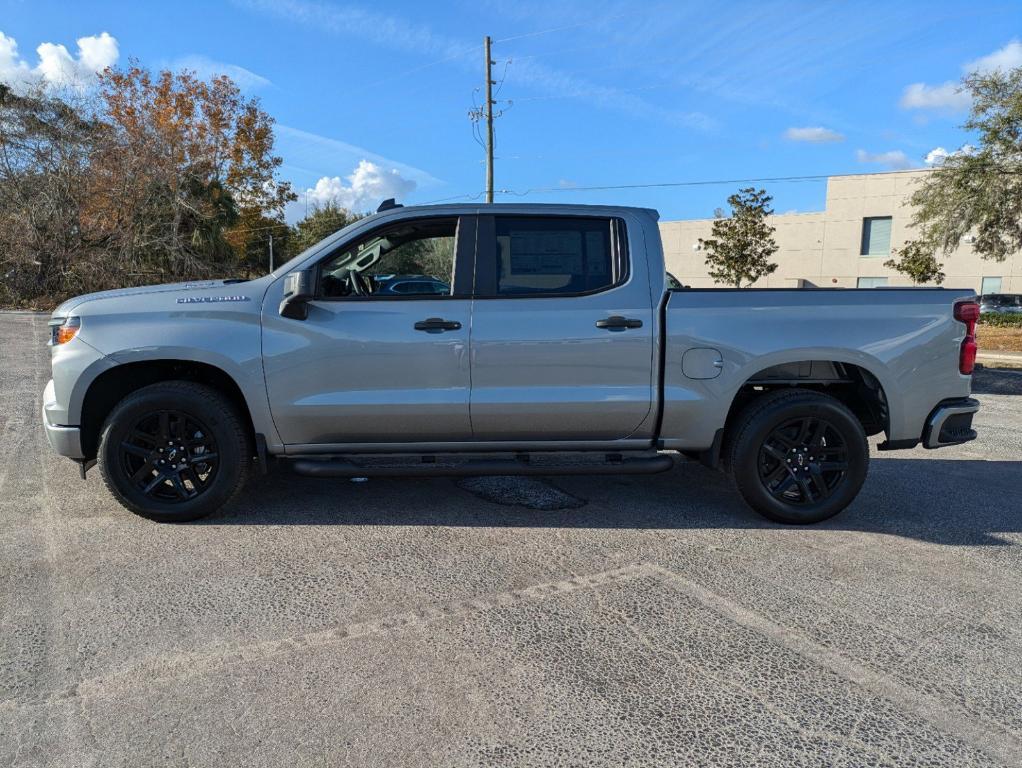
894 160
330 157
205 68
353 21
57 67
403 35
1003 59
950 96
813 135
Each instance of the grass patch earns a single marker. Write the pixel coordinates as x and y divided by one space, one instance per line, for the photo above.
993 338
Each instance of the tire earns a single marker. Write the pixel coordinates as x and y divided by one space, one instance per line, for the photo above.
798 456
174 451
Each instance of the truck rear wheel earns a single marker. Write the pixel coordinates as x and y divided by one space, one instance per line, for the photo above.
174 451
798 456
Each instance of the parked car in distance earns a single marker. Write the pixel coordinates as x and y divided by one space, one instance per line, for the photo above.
405 285
1001 303
558 347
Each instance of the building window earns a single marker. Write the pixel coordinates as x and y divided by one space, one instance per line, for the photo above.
990 285
876 236
871 282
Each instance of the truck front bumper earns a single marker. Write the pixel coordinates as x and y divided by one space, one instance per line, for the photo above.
950 423
65 440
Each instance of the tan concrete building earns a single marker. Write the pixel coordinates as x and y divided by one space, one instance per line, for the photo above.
846 244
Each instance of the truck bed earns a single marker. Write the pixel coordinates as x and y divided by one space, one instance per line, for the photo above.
719 340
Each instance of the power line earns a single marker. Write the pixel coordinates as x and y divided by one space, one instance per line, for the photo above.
664 184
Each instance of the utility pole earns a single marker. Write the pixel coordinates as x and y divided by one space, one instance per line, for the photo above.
271 251
489 121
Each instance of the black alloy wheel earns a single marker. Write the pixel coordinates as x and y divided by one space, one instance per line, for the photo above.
797 456
803 461
170 456
175 451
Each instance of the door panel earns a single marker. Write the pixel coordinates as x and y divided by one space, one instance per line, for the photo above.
543 367
359 371
370 366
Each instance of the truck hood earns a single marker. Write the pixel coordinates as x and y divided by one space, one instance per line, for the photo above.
194 287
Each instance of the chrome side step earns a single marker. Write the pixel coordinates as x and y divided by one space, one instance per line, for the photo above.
614 465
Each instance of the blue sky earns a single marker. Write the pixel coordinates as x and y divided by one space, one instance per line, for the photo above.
372 99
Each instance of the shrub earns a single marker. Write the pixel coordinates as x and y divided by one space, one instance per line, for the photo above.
1001 320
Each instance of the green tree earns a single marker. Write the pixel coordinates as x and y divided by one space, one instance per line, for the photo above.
322 221
250 239
978 191
739 251
432 256
918 262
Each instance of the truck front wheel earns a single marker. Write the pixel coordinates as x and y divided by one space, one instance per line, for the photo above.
174 451
798 456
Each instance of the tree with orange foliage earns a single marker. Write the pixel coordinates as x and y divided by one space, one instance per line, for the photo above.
184 162
147 179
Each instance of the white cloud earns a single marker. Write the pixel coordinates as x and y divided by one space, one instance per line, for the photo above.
813 135
12 69
938 155
56 66
367 186
206 68
1003 59
894 160
97 52
949 96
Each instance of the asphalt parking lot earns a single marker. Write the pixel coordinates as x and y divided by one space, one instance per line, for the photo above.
581 621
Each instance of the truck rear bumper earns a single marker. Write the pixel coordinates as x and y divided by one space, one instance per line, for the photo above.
950 423
65 440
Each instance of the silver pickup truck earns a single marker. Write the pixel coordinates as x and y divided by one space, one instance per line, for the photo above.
499 340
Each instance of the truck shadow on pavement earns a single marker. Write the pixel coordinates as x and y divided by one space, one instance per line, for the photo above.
991 380
955 502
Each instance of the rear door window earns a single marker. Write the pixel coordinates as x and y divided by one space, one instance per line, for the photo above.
549 256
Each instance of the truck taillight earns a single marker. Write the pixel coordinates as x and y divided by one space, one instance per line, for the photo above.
967 312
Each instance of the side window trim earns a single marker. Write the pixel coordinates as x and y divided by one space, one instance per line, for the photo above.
485 284
464 262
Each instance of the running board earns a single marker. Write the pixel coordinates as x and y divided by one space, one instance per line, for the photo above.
482 467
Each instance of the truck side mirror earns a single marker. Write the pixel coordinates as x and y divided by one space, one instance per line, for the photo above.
299 289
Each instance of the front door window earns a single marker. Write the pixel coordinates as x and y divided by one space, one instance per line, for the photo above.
407 259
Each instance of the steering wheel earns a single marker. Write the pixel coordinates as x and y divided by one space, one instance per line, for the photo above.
360 284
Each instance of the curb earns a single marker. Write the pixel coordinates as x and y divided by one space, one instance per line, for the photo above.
1013 357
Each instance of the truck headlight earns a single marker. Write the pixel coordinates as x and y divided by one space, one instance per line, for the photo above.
62 330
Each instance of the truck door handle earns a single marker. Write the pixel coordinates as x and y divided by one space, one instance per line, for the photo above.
437 325
618 323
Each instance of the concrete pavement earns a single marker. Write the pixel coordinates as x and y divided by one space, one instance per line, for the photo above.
582 621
